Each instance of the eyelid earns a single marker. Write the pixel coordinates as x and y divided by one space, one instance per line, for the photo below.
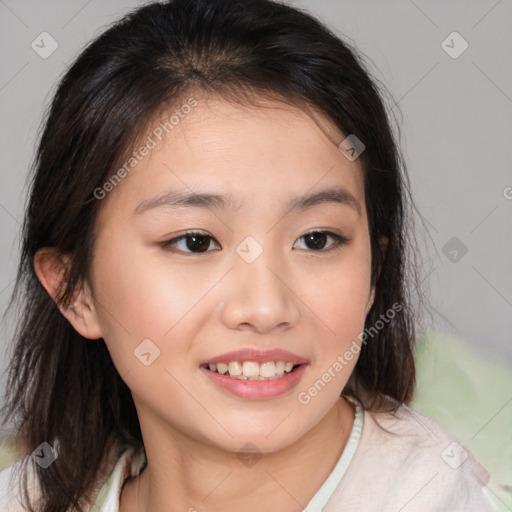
169 242
339 240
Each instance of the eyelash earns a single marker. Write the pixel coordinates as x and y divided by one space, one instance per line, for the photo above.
339 241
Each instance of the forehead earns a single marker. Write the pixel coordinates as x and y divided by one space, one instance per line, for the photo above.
246 152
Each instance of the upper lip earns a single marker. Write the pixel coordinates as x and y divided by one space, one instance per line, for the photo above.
256 355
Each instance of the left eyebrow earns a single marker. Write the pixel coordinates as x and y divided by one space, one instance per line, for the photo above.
176 200
339 195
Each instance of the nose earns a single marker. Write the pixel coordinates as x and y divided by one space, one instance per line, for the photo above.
259 296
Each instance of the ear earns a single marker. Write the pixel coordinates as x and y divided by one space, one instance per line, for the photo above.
383 244
51 267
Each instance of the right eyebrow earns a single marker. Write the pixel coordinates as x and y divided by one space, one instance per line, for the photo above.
176 200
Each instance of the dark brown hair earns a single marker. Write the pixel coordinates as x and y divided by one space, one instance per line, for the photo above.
64 387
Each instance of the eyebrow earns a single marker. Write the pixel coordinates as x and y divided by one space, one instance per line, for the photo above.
177 200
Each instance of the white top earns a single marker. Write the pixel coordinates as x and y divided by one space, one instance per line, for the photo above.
417 467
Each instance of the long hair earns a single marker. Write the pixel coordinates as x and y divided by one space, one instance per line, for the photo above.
65 389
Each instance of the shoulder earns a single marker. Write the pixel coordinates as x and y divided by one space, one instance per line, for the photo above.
11 485
130 463
420 442
408 460
119 466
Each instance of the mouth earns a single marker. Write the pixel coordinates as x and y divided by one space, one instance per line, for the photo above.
253 370
255 374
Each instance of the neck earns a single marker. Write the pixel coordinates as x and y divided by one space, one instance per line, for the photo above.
190 477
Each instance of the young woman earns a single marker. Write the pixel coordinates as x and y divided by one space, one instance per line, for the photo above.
216 311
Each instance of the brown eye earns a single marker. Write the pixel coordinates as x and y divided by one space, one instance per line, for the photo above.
317 240
194 242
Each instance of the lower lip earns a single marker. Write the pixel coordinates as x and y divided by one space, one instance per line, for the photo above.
257 389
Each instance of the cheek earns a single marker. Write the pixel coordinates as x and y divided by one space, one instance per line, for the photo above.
340 292
339 299
143 297
131 299
340 304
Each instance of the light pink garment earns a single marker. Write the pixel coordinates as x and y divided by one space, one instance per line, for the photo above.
420 468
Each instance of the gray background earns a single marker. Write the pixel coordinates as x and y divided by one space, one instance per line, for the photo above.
456 130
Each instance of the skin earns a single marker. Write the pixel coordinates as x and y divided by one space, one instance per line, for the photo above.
194 306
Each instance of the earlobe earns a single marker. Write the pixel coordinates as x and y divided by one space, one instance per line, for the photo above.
51 269
383 244
370 301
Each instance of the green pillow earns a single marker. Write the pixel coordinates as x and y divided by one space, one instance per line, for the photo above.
469 392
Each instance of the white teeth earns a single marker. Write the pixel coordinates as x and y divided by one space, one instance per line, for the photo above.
222 368
235 368
268 369
251 370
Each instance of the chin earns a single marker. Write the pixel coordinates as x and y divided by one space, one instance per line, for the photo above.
265 437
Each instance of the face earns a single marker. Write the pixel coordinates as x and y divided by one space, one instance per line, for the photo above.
251 271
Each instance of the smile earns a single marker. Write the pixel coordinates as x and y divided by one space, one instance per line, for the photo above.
252 370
